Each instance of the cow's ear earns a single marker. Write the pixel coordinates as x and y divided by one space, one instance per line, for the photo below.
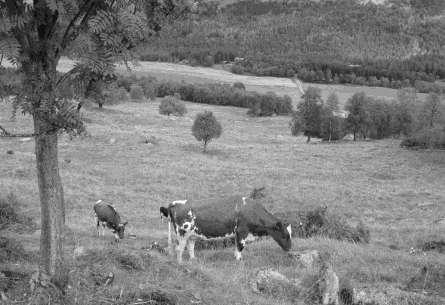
278 226
164 211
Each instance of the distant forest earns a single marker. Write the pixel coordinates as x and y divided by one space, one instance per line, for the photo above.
398 44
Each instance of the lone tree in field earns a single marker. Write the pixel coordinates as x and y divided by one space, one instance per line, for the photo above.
308 116
206 127
34 35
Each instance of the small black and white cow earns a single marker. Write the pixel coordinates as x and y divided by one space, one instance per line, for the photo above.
235 216
106 216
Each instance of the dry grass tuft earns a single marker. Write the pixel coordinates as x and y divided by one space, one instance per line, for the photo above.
319 222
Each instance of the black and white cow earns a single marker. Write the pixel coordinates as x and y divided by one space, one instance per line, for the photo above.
106 216
236 216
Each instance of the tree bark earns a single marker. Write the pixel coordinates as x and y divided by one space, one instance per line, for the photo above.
308 139
52 203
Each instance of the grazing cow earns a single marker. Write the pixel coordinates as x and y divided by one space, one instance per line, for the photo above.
106 216
236 216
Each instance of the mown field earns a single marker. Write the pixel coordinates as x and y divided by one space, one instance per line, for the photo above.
397 193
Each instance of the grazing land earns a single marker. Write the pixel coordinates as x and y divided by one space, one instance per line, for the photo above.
397 193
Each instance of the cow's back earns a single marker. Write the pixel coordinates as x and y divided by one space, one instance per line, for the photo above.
211 217
106 212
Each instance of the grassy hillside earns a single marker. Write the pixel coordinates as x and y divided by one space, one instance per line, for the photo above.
398 193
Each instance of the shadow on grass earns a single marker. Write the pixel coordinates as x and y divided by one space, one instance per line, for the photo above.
211 152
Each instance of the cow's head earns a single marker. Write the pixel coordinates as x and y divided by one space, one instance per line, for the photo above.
120 229
282 235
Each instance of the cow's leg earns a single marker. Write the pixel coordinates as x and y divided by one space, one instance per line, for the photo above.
171 248
191 248
97 225
240 235
104 227
182 242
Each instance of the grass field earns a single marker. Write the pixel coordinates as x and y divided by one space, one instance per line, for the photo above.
398 193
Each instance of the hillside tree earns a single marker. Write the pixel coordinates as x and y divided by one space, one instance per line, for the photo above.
431 111
358 119
205 128
34 35
307 119
332 106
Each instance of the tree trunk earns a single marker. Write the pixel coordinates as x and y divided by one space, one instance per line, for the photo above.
205 146
354 136
330 129
308 139
52 203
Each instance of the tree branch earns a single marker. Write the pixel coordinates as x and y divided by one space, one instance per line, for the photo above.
6 134
84 10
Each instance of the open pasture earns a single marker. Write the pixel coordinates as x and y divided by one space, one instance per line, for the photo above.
398 194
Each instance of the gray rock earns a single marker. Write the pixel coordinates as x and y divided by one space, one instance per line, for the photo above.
307 258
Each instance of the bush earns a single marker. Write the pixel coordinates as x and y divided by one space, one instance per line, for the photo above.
171 105
125 82
149 88
136 92
426 138
166 88
320 222
239 85
115 96
10 217
12 251
269 104
206 127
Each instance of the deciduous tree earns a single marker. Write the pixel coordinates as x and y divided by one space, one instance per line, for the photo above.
38 33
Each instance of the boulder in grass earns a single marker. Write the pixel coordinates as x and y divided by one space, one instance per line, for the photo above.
273 282
307 258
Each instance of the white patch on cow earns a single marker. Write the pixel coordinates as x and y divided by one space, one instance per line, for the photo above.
116 236
244 200
238 255
190 213
178 202
99 201
249 238
289 229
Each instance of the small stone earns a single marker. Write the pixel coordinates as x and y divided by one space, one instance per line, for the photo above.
10 152
112 141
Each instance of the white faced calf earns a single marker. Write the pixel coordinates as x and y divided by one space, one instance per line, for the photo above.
106 216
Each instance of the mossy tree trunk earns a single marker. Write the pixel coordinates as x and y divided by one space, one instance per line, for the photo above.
52 204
